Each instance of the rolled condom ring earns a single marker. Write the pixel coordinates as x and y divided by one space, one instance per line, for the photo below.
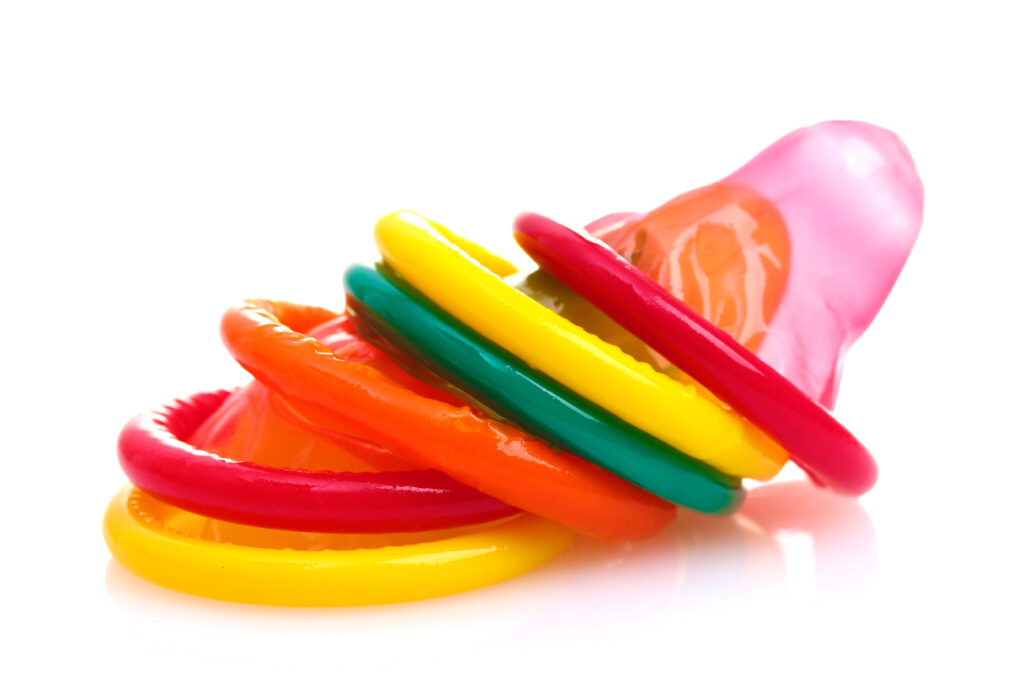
390 308
154 453
160 543
598 371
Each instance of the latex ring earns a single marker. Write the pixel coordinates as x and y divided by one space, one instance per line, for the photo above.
816 441
652 402
155 456
392 309
486 454
138 537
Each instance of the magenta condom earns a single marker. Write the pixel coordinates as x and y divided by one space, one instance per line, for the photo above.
852 203
817 228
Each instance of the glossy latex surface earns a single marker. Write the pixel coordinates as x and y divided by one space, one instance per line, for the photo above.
600 372
723 249
391 308
155 455
815 440
258 425
794 253
167 546
483 453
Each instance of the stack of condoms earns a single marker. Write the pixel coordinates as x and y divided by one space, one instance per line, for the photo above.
459 422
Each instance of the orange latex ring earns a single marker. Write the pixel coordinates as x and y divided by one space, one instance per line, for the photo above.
267 338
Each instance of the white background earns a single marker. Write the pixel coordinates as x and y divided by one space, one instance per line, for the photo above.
159 161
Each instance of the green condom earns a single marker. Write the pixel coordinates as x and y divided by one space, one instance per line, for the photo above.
386 306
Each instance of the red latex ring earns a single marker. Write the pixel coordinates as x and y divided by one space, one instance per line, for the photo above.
155 456
816 441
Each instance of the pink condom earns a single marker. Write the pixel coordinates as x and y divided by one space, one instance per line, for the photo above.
851 202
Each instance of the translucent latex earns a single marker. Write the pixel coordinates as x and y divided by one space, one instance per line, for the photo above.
261 426
256 425
794 253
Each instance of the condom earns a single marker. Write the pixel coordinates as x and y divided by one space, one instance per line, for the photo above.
486 454
259 425
600 372
155 455
794 253
815 440
222 469
450 431
388 307
173 548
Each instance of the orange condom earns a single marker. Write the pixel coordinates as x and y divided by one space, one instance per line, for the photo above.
268 339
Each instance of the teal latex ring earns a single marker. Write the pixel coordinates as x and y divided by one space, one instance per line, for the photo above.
391 308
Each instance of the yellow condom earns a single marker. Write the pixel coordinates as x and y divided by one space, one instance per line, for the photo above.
168 546
463 278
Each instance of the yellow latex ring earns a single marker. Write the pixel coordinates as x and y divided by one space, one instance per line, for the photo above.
147 537
464 279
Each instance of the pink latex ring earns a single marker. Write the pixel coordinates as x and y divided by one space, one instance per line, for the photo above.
816 441
155 456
